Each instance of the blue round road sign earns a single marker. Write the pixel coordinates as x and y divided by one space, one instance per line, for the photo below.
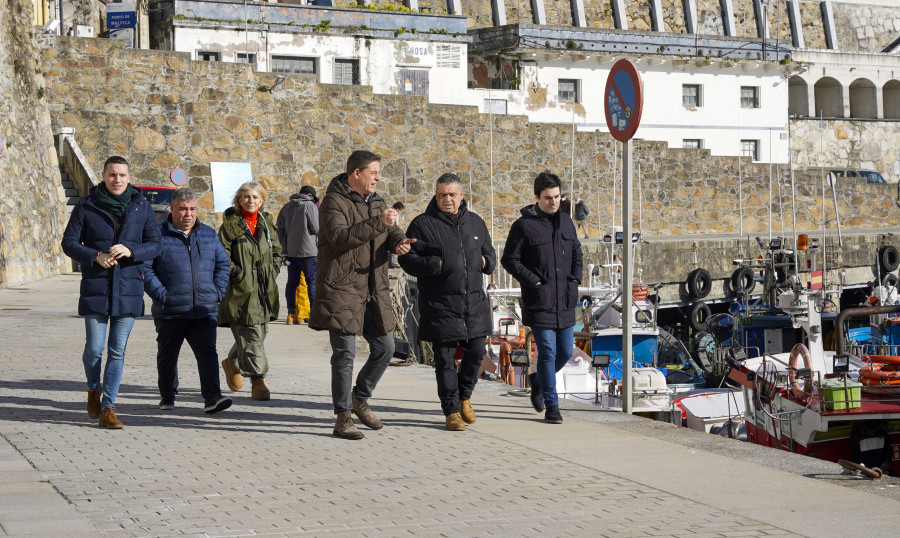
624 100
178 176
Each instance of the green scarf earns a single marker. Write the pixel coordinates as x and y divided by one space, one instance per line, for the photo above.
114 204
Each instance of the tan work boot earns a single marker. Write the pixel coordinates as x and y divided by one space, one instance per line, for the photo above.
466 411
345 428
93 403
108 419
232 376
259 391
455 423
365 414
292 319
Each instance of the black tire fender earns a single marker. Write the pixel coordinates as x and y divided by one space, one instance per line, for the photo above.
888 258
890 280
699 315
699 283
742 280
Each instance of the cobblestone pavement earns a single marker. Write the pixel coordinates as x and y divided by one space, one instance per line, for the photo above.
274 468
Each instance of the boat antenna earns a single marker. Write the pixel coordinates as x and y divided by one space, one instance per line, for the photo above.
491 152
572 165
640 202
793 202
740 189
770 185
824 219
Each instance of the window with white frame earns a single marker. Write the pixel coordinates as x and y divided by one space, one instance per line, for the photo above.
692 143
692 95
209 55
246 58
750 148
346 71
292 64
567 90
749 96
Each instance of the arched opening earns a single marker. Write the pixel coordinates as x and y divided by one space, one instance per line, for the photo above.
863 99
798 97
891 98
829 98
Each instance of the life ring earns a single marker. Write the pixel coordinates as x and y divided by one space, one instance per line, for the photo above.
742 280
888 258
699 315
639 292
882 359
802 394
880 374
506 370
699 283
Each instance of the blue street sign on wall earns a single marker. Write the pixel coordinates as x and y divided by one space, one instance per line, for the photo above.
117 20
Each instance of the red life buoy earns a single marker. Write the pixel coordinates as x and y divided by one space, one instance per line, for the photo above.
802 394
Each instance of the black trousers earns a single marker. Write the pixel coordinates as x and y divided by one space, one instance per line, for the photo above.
201 336
454 386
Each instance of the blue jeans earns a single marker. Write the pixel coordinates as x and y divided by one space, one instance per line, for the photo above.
95 331
297 265
554 347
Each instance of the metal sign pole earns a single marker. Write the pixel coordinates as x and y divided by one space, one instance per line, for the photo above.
627 276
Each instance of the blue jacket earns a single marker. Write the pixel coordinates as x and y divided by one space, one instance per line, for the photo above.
190 275
544 249
119 290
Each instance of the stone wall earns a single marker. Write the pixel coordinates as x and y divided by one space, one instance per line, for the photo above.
673 16
479 13
559 12
866 28
709 17
813 26
161 110
637 13
31 197
870 145
599 14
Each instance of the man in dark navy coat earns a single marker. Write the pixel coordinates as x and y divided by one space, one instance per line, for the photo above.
543 253
452 251
186 282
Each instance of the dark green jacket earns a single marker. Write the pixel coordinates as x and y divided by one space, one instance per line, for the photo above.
252 295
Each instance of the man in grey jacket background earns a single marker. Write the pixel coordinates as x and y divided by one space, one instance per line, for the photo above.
298 228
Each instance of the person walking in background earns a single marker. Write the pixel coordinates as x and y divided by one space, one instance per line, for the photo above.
452 252
543 253
111 233
565 205
251 300
186 282
581 213
298 226
357 232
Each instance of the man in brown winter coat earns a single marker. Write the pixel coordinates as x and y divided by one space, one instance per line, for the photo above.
357 234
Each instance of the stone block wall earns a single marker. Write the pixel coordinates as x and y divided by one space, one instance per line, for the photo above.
866 28
599 14
637 13
709 17
870 145
559 12
479 13
31 196
673 16
813 25
161 110
518 12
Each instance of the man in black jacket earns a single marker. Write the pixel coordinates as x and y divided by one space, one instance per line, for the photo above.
452 250
543 253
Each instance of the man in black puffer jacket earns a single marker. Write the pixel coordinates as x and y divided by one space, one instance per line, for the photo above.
543 253
452 250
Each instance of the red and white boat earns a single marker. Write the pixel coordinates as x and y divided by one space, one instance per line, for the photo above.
831 405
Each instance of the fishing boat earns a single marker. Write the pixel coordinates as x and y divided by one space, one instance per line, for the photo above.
833 405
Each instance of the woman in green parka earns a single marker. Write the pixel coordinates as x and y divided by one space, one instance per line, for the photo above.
251 300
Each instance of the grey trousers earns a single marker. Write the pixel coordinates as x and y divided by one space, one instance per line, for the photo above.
343 350
248 353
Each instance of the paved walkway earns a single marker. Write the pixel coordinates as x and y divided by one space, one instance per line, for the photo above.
273 468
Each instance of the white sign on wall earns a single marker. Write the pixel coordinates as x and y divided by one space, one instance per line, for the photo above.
226 178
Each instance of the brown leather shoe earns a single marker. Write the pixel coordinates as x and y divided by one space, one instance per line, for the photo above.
93 403
466 411
365 414
345 428
455 423
232 376
108 419
259 391
291 319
